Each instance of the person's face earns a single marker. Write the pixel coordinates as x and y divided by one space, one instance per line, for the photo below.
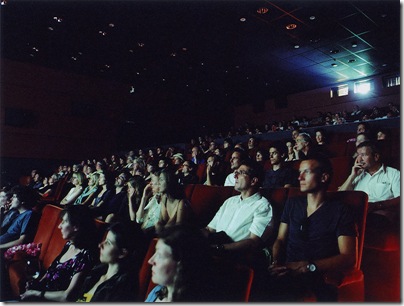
212 146
289 146
161 163
75 168
120 180
109 251
102 181
150 168
299 143
366 158
274 156
89 170
151 153
45 180
242 179
211 161
75 181
162 183
360 129
195 151
258 156
3 198
163 265
186 168
309 178
381 135
154 181
15 202
295 134
98 166
319 137
67 230
251 143
225 144
235 160
359 139
177 161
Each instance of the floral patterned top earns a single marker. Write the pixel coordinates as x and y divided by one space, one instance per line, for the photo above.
59 274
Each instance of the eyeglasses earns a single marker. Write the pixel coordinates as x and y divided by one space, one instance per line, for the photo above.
241 172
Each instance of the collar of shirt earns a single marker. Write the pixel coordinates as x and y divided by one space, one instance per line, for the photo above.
251 199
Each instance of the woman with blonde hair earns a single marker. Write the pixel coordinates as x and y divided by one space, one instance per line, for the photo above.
87 196
77 189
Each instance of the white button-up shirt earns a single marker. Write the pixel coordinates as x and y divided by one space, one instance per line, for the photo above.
239 218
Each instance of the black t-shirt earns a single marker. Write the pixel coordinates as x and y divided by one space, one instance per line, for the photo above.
316 237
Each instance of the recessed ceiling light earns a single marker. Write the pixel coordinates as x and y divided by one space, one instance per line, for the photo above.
334 65
111 25
184 49
335 51
352 61
291 26
354 44
242 19
107 66
50 28
130 50
262 10
74 58
173 54
140 44
296 46
102 33
312 17
3 2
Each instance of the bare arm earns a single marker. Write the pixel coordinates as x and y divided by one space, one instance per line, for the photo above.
356 170
208 176
147 193
250 243
181 212
59 296
71 196
13 243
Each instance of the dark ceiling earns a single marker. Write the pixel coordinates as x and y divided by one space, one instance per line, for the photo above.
238 51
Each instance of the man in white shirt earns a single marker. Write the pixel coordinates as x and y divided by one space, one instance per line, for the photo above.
246 218
237 157
381 183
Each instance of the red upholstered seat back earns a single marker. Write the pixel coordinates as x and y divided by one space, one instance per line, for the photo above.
206 201
145 283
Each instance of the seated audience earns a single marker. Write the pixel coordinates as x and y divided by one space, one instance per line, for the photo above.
63 279
261 157
197 156
48 190
19 224
105 182
130 204
315 236
182 267
88 194
75 191
174 207
280 175
115 279
244 221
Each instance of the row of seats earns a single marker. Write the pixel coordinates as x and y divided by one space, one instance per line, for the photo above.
205 201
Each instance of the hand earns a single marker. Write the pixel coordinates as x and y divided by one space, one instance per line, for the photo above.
277 270
357 167
147 191
30 293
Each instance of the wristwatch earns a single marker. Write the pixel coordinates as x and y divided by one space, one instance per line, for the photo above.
311 267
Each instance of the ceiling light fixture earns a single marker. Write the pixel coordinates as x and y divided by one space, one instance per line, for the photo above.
296 46
140 44
262 10
312 17
335 51
291 26
242 19
111 25
352 61
354 44
3 2
334 65
50 28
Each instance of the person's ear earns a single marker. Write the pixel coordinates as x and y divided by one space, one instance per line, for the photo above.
377 157
325 177
254 181
124 253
